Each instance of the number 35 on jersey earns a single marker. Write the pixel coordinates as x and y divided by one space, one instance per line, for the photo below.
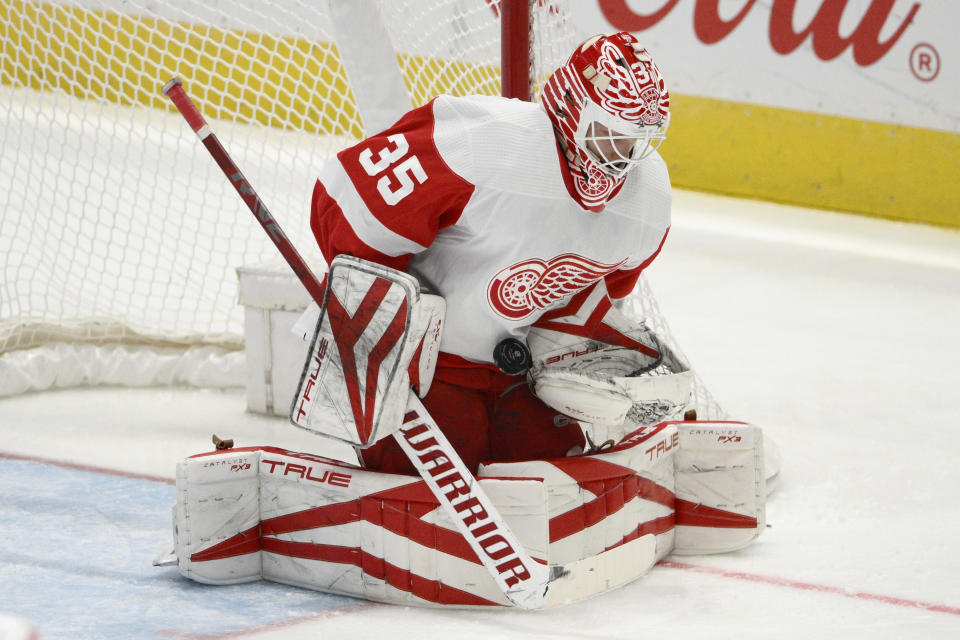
400 173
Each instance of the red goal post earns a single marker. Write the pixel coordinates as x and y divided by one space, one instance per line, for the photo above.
515 61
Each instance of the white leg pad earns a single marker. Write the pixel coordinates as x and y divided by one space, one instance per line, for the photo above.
598 520
599 501
299 519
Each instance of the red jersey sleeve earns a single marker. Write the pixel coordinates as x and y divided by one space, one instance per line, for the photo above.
387 197
621 283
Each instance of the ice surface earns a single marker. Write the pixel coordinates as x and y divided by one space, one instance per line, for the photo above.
838 334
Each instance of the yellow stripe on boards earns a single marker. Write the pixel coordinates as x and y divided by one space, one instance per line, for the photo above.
250 77
284 82
796 157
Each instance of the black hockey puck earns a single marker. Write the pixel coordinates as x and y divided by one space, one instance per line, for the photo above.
512 357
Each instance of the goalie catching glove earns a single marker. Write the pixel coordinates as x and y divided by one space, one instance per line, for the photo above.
596 365
376 337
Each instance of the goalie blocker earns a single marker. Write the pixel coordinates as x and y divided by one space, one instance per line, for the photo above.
597 521
376 337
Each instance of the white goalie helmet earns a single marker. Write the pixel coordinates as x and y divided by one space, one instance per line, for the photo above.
610 109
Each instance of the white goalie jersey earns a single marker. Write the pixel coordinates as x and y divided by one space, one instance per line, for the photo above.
470 195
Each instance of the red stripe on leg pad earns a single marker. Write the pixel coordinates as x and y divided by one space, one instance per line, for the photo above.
693 515
241 544
403 579
348 330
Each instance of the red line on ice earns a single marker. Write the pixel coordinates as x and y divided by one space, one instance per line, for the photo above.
86 467
810 586
352 608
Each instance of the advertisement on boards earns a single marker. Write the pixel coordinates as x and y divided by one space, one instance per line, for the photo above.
890 61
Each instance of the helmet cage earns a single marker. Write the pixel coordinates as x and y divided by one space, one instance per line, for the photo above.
620 145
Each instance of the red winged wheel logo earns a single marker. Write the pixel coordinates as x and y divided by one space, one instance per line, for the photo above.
532 285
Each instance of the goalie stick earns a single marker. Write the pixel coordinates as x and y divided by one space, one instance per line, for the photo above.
523 580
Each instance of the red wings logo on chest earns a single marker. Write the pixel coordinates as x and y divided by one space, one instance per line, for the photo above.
533 285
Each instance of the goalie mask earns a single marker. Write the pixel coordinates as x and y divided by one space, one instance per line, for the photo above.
609 108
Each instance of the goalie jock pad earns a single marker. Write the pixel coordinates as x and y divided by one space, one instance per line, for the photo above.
598 521
377 336
596 365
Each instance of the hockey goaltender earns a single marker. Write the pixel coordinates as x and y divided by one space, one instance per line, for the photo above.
523 440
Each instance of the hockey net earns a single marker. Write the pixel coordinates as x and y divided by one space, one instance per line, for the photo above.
119 239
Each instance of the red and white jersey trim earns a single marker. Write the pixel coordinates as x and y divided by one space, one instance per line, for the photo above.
368 228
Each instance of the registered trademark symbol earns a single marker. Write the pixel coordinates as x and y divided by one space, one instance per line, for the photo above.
924 62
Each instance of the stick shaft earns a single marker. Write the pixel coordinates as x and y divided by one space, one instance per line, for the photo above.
521 579
178 95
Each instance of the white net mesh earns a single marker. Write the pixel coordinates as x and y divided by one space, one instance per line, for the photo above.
116 224
642 305
117 228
